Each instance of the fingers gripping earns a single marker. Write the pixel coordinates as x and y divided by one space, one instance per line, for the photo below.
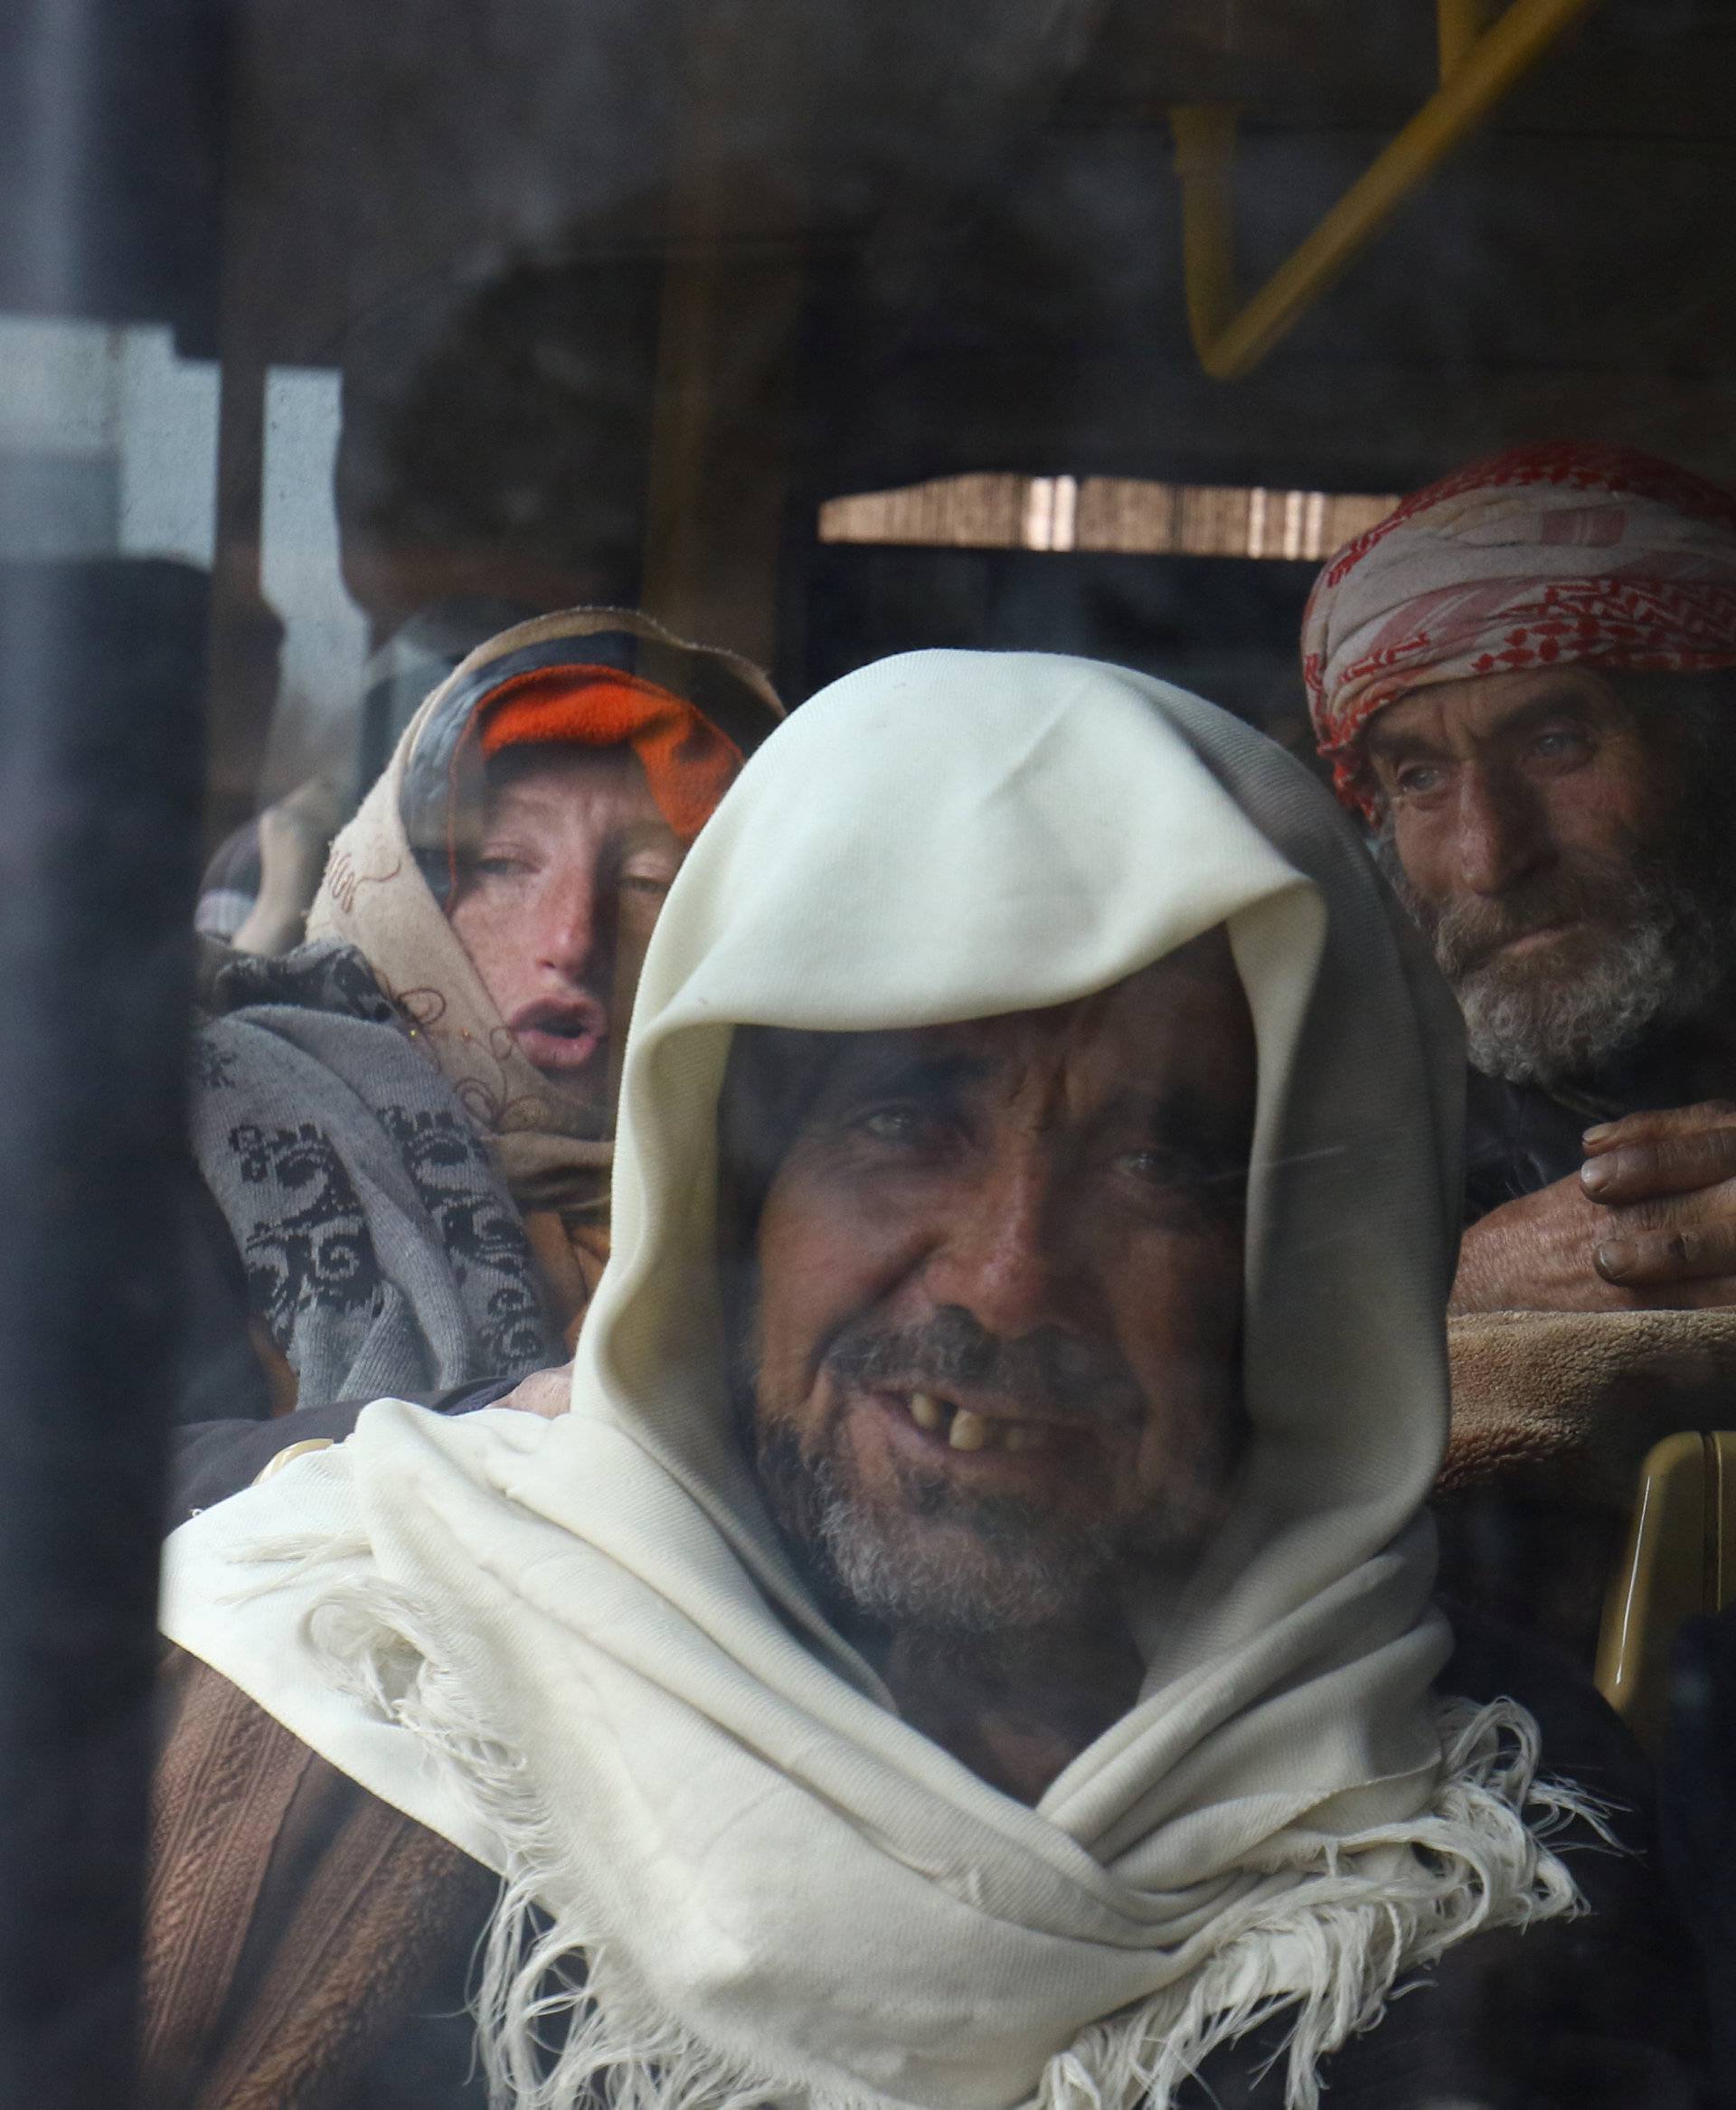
1681 1151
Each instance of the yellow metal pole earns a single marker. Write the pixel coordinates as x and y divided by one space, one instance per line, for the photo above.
1500 57
1206 161
1457 25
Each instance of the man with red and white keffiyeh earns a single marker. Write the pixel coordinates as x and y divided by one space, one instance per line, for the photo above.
1526 680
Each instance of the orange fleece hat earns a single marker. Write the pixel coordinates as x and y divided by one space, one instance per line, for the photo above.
687 761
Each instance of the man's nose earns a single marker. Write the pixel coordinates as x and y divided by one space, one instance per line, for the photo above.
1500 836
1002 1254
567 937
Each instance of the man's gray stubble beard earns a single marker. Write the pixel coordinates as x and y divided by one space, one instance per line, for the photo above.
1002 1565
945 1560
1548 1031
1665 962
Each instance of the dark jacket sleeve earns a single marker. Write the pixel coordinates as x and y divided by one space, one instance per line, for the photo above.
1601 2013
212 1459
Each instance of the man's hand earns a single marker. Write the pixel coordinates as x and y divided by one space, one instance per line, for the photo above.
547 1392
1535 1254
1648 1223
1667 1182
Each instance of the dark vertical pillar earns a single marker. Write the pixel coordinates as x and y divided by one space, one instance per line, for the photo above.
100 675
728 331
102 672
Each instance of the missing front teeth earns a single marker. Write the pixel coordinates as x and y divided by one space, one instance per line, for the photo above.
966 1431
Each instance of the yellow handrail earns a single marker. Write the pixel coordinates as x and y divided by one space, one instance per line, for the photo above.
1458 24
1478 66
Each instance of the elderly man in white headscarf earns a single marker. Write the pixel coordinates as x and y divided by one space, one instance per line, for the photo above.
970 1643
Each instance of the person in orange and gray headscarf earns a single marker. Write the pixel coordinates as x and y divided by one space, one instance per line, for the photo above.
406 1122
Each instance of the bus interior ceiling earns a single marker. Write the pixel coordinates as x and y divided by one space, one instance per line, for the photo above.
619 301
511 302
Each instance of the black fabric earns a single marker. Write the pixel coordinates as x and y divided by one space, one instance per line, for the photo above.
312 977
216 1370
1538 1561
1697 1817
1603 2012
214 1459
1517 1139
1520 1137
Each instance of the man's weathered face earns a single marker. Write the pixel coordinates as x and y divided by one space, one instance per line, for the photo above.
995 1348
1547 832
573 852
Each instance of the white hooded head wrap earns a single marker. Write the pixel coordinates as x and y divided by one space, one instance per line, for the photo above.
577 1649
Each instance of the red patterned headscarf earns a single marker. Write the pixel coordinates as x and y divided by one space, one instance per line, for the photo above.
1542 555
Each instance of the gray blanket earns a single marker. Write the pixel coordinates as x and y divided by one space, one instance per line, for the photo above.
381 1246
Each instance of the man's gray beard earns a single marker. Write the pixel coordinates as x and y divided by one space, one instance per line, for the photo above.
1666 959
1000 1566
1544 1029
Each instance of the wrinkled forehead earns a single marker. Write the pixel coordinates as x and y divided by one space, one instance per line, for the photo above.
1471 712
1176 1036
1475 705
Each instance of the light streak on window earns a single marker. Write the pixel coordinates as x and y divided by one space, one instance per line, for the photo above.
1127 515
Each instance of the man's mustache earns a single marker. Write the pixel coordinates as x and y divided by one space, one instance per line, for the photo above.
1466 934
1045 1372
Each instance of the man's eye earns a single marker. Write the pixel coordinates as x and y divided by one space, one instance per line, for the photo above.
500 866
899 1125
1418 780
1561 744
646 883
1173 1173
1158 1168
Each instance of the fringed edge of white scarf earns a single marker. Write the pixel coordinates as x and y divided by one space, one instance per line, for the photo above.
546 2042
559 2029
1475 1862
293 1557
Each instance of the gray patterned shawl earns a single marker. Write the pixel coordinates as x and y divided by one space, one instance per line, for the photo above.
382 1249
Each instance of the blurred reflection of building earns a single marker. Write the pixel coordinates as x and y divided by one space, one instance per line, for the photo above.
617 302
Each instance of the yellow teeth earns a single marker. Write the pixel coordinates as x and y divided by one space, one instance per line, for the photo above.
966 1431
927 1412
